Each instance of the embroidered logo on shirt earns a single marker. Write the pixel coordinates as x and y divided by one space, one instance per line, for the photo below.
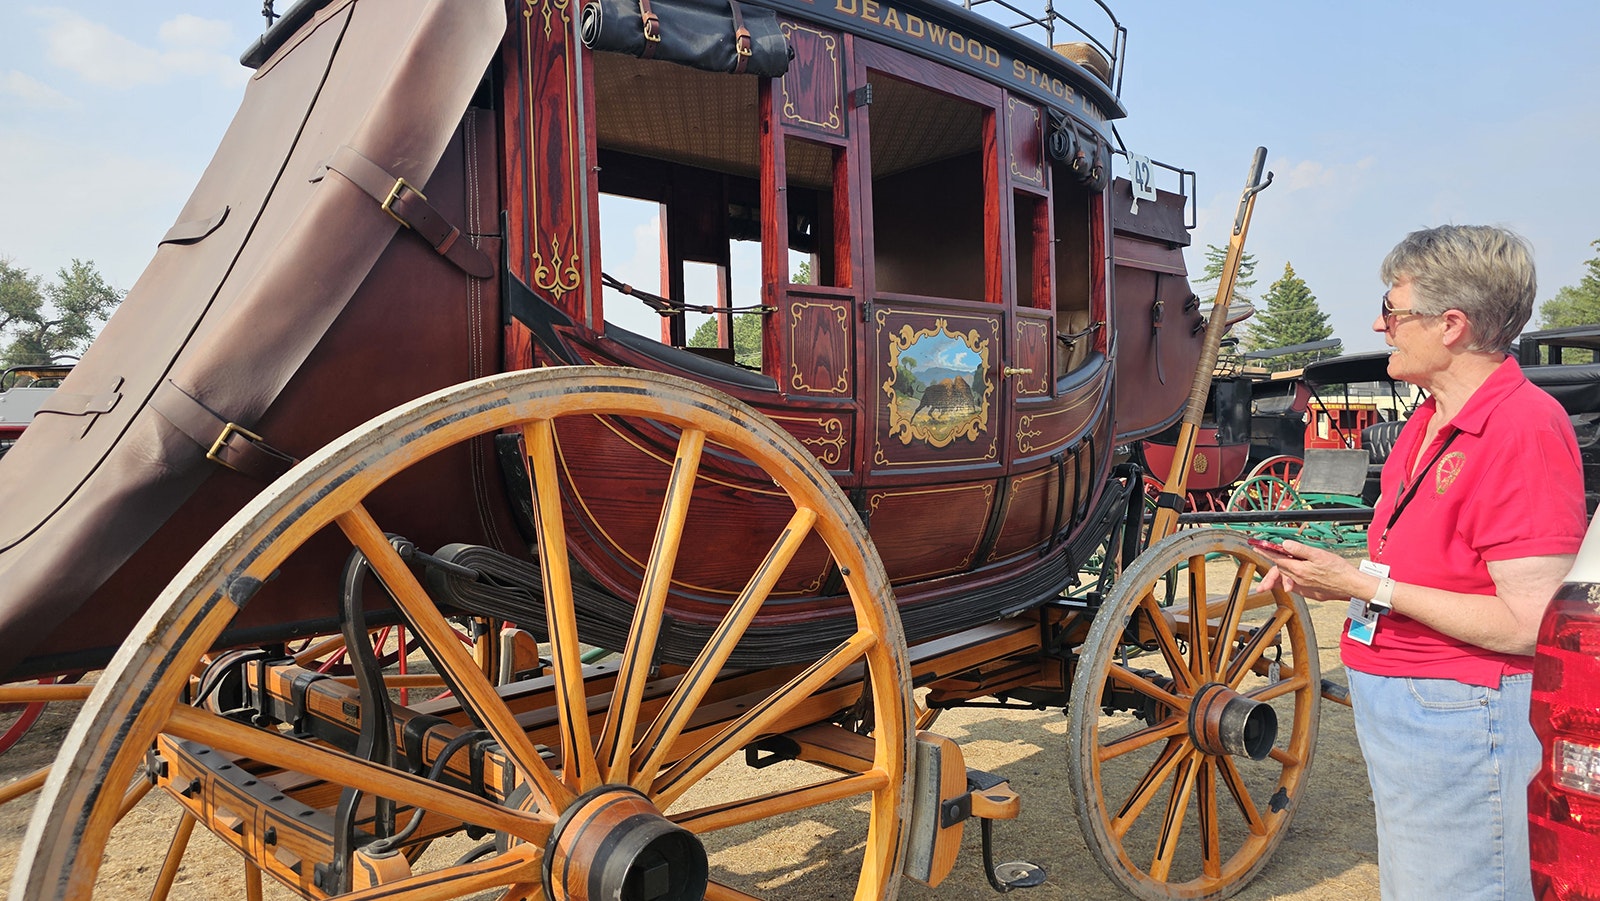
1444 475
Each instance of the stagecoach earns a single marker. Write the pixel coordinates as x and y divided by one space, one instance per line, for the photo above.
376 377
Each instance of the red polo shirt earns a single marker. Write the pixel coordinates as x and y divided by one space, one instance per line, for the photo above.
1509 485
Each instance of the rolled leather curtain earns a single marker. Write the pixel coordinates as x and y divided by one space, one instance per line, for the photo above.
715 35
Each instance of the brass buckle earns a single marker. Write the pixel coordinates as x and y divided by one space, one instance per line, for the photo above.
394 194
652 27
228 431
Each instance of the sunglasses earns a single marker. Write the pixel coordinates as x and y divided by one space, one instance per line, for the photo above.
1392 313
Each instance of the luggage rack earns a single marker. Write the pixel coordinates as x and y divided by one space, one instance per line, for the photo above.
1046 21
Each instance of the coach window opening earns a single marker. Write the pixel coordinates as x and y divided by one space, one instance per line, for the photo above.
930 231
678 153
1079 273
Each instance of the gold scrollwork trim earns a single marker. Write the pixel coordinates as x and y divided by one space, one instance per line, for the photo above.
546 8
555 275
830 45
797 379
1037 176
832 441
1023 327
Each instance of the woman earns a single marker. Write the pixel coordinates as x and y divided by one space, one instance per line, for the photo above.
1480 516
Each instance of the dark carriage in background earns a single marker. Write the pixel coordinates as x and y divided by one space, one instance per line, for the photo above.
376 374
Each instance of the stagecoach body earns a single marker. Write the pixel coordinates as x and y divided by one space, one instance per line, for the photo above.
963 319
985 322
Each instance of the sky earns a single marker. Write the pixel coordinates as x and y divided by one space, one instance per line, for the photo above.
1379 118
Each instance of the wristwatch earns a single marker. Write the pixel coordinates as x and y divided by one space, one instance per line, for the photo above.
1383 601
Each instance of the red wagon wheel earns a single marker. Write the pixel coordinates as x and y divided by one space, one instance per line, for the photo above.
614 787
17 717
1284 467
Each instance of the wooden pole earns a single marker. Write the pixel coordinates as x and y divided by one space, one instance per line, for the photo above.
1166 518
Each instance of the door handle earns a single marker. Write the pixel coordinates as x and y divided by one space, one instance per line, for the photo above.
1014 370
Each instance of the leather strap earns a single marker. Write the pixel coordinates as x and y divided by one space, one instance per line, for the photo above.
225 442
80 404
400 199
652 29
741 39
193 230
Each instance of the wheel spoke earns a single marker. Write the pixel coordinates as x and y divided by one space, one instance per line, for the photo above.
675 715
44 693
252 881
1172 822
133 796
175 852
1256 646
1120 673
616 737
1199 620
1277 689
1284 757
23 786
453 658
748 810
1231 615
1142 793
1210 838
1141 739
345 769
758 719
580 770
1168 642
1234 780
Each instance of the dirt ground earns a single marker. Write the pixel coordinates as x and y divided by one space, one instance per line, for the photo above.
1329 853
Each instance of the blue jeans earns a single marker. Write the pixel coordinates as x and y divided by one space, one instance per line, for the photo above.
1449 765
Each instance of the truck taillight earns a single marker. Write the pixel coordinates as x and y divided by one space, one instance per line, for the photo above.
1576 766
1564 797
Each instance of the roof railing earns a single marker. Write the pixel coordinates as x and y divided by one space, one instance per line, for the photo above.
1042 21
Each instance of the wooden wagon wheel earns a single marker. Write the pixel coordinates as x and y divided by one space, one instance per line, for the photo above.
607 756
1183 786
24 703
1284 466
1265 493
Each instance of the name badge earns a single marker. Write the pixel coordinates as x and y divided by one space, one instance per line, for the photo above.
1363 624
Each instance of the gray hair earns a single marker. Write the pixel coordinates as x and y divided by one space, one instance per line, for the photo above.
1483 271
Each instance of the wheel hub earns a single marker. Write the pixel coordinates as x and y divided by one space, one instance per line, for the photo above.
1222 721
612 843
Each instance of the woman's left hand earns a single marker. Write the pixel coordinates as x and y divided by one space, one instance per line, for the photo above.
1314 573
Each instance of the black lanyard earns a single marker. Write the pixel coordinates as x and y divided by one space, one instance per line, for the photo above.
1406 494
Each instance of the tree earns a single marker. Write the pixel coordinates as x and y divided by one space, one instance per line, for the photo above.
1291 317
40 321
1575 304
746 338
1211 276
